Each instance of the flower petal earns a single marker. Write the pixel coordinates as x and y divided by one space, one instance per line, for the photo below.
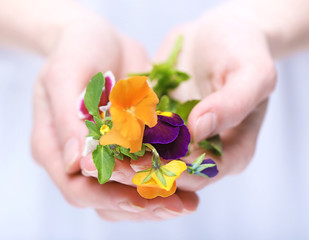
211 171
90 145
127 93
175 166
150 192
176 149
128 126
161 133
109 83
170 118
145 110
113 137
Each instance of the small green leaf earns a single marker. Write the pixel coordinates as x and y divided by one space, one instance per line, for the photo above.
204 166
213 144
98 121
139 74
197 162
160 177
173 57
168 172
164 104
141 152
104 162
147 178
94 130
119 156
184 109
200 174
127 153
93 94
145 170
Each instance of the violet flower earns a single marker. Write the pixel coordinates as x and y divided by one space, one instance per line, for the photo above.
170 136
206 168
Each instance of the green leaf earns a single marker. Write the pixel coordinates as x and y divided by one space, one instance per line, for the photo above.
93 94
164 104
147 178
119 155
145 170
139 74
213 144
94 130
160 177
204 166
141 152
127 153
173 57
98 121
184 109
168 172
198 161
104 162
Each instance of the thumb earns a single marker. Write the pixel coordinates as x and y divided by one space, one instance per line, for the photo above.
229 106
64 83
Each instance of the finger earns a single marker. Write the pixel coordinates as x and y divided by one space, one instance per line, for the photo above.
155 212
230 105
78 190
64 84
238 149
86 192
123 173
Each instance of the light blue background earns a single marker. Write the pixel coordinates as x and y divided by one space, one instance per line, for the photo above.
268 201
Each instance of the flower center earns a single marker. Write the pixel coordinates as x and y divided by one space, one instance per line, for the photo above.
166 114
131 110
104 129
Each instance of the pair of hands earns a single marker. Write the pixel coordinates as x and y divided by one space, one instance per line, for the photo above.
231 70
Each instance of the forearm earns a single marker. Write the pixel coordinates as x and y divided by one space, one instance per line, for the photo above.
36 24
284 22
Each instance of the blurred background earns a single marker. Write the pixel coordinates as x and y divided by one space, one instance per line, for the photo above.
268 201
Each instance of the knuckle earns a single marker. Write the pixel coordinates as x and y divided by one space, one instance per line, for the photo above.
270 77
73 194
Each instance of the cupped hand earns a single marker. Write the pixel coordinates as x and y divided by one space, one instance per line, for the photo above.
233 74
85 47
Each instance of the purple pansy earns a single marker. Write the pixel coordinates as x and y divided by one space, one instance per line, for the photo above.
170 136
211 171
104 102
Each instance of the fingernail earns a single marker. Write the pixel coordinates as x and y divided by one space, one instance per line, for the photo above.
129 207
71 153
165 213
118 176
204 126
187 212
87 173
137 168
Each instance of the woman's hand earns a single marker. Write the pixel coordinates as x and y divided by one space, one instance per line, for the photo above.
85 47
232 71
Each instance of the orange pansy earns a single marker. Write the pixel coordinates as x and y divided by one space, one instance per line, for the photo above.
133 104
154 187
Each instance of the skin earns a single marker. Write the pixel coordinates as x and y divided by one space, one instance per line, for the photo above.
233 77
229 53
60 152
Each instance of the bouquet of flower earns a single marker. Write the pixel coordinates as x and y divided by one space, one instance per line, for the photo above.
127 118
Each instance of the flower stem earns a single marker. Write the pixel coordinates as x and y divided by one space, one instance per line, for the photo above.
156 162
